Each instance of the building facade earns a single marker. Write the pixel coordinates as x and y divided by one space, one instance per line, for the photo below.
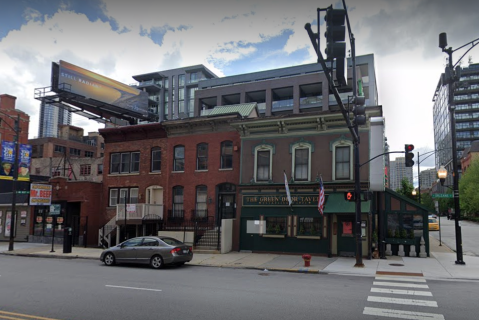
428 178
466 101
51 118
399 171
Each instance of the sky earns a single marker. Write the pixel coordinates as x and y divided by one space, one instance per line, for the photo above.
119 39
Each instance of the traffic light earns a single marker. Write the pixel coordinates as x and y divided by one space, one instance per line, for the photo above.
349 196
408 148
335 45
359 111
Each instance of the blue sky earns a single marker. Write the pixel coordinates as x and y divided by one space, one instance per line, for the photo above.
119 38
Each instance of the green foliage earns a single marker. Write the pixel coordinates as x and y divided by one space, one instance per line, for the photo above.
301 230
397 234
390 233
411 234
375 237
270 229
406 189
468 195
428 201
403 234
277 230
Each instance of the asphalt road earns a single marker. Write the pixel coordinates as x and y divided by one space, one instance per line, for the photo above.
85 289
470 236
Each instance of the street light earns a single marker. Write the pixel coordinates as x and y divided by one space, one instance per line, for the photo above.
450 77
16 129
442 174
414 192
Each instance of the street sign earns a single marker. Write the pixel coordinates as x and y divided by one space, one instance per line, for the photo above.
442 195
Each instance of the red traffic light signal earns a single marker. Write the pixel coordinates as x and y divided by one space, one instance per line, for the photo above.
349 196
409 156
409 147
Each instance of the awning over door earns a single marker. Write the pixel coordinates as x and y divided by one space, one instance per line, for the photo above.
337 204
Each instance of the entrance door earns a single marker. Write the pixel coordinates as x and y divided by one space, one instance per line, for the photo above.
226 206
246 239
346 236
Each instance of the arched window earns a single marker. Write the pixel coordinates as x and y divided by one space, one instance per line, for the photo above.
301 161
156 159
342 164
178 211
263 163
201 211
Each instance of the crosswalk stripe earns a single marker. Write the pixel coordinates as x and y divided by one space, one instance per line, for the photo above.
411 302
406 279
405 285
412 315
399 291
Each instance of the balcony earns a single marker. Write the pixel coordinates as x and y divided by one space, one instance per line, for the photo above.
148 84
137 211
281 105
311 102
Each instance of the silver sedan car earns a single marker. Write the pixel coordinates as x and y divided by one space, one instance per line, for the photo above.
155 251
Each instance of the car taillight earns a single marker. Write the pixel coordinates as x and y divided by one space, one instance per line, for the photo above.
175 250
191 249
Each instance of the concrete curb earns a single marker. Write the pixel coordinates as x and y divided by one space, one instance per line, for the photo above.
35 255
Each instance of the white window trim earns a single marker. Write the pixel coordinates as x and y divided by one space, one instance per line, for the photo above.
343 143
301 145
263 147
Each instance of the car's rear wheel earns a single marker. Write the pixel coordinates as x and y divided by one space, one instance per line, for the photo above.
109 259
156 262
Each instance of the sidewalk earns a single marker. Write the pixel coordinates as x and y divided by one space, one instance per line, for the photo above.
439 266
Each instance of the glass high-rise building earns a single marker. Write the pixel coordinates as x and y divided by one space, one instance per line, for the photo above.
51 117
466 101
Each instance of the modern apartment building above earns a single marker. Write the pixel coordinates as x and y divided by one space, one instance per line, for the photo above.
171 92
294 89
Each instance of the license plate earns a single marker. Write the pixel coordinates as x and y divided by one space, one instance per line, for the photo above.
185 251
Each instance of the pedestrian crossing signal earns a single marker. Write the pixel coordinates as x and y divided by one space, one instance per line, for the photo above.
349 196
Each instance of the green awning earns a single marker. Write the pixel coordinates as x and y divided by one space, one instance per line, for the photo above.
337 204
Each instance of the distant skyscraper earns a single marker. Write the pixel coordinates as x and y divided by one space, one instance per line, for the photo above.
50 119
398 172
428 177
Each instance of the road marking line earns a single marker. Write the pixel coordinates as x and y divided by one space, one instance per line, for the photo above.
398 291
412 302
395 284
391 313
21 315
145 289
400 279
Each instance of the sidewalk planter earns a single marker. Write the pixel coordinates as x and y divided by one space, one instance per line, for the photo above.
306 259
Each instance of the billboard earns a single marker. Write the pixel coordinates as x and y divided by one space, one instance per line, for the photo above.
71 78
40 194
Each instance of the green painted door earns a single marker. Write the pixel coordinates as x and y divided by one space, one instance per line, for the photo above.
246 239
346 239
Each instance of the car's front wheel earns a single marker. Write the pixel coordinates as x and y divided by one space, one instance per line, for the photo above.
156 262
109 259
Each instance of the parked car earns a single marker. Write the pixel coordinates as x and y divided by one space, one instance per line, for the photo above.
433 224
155 251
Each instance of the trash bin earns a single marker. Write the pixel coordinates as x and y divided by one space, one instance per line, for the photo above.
67 240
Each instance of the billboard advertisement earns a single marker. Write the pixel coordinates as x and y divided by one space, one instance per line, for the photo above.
40 194
8 161
91 85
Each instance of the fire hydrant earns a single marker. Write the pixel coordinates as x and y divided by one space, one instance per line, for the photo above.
307 259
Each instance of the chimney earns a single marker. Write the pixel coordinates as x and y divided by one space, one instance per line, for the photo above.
7 102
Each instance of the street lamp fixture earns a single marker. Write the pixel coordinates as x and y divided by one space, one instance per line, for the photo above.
16 129
414 192
442 174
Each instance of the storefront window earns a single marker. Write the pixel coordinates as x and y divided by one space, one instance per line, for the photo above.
276 225
309 226
393 224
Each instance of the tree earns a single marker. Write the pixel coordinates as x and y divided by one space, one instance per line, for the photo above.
428 201
406 189
468 195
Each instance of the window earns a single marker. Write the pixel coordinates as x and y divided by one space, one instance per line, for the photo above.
301 158
125 162
201 202
202 156
181 80
177 203
309 226
301 162
85 170
179 158
118 195
275 225
226 155
75 152
89 154
263 163
61 149
100 169
342 155
155 160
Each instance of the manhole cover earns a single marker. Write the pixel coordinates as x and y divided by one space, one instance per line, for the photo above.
263 274
396 265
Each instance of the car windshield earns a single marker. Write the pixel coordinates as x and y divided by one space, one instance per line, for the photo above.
172 242
432 220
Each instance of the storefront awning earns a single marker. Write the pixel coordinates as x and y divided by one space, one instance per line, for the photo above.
337 204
